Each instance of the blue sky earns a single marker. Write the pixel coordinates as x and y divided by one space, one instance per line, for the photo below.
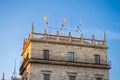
16 17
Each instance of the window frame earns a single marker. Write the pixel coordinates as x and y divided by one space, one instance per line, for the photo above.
45 54
71 56
97 58
48 75
98 78
72 76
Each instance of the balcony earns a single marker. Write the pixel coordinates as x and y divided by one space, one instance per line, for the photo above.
103 64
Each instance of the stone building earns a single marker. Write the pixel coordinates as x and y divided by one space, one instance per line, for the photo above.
56 57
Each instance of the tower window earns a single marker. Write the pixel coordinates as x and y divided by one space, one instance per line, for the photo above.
97 59
46 76
45 54
71 56
71 77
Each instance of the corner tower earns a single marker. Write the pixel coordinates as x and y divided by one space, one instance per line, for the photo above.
57 57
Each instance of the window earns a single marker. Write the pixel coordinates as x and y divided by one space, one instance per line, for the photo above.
97 59
71 77
71 56
98 78
46 54
46 76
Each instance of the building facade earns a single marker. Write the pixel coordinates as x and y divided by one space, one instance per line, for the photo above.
56 57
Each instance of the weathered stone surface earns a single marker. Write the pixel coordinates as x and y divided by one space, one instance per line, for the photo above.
63 72
58 66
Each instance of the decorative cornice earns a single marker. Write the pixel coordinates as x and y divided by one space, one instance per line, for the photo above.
69 43
64 63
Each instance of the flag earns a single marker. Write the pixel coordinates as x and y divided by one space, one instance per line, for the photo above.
45 18
64 20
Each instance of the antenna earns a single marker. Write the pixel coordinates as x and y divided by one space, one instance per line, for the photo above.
14 73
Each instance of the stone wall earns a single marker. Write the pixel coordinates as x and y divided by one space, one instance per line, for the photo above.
63 72
59 52
35 70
